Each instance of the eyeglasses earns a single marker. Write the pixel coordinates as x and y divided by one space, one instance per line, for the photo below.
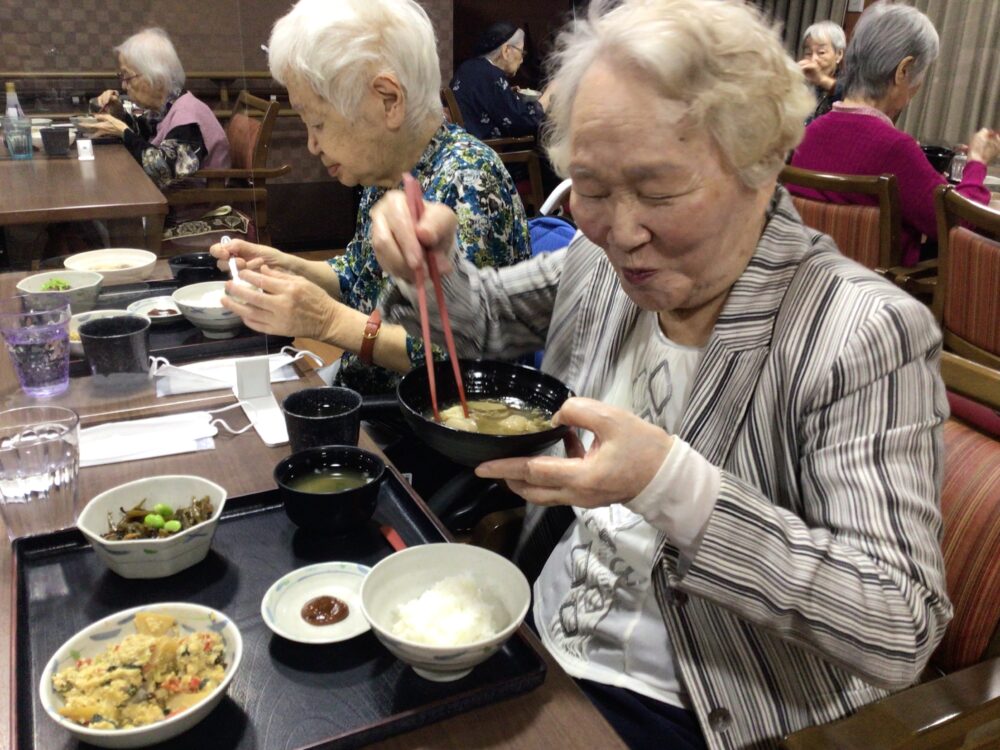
519 49
125 77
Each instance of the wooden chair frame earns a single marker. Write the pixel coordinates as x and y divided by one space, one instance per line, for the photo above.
451 105
218 191
952 209
881 186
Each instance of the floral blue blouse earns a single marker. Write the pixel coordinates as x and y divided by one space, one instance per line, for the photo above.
461 172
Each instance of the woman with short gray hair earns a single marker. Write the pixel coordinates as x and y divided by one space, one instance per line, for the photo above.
891 50
752 467
823 45
364 77
170 132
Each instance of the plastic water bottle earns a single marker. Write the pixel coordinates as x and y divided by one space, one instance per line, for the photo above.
13 107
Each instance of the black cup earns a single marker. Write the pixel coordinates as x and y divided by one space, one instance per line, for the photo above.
322 416
55 141
117 348
194 268
329 512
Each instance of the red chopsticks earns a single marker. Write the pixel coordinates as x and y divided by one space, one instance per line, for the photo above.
415 199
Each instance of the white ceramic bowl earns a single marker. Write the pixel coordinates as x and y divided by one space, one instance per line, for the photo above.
200 304
407 574
281 606
36 136
41 122
75 345
95 638
152 558
155 308
118 265
83 291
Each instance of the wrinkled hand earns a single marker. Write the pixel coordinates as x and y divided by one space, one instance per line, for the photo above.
985 145
107 125
249 255
106 99
400 246
810 70
283 304
626 454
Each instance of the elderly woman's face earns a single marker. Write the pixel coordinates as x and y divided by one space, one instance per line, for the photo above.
138 87
350 150
676 225
822 52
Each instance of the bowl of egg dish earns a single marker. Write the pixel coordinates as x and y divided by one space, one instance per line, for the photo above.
201 304
118 265
444 608
142 675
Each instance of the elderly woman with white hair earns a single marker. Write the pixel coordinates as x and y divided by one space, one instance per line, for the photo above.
176 133
755 467
887 61
823 45
364 77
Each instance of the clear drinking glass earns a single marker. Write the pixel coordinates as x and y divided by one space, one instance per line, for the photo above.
39 463
36 331
17 137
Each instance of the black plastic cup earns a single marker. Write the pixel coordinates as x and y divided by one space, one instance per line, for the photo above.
55 141
322 416
117 349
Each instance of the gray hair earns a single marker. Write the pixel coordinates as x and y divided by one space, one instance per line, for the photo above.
718 57
827 30
884 36
153 56
339 46
516 39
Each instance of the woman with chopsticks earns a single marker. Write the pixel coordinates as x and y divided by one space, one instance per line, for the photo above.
364 77
755 476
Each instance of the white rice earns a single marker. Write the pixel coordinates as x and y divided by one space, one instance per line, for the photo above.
453 612
208 299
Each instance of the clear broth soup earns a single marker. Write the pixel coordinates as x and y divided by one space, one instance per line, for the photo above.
329 480
496 417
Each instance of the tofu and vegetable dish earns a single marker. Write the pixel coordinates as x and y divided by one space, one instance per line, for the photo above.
146 677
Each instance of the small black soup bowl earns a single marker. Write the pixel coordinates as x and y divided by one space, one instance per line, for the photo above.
194 268
483 379
329 512
939 157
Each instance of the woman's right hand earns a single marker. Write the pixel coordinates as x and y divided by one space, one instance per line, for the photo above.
106 99
401 246
985 146
249 255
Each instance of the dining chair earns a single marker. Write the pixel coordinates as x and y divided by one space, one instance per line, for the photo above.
871 235
248 131
967 295
452 112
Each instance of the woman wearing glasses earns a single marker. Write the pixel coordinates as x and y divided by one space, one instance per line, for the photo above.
177 134
490 106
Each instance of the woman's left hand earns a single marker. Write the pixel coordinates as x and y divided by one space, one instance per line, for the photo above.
108 125
283 304
626 454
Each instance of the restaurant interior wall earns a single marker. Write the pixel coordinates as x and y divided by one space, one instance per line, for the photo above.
307 210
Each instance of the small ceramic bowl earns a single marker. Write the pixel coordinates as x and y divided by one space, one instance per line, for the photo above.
118 265
36 136
194 268
95 638
407 574
160 310
329 512
75 345
201 304
152 558
83 291
281 607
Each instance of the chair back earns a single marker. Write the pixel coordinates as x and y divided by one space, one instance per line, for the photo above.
529 188
871 235
249 137
452 112
967 295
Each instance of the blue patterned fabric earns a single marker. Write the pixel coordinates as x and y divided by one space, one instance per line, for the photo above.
464 174
491 108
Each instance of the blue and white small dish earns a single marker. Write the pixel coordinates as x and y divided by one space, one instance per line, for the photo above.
96 638
160 310
201 304
281 607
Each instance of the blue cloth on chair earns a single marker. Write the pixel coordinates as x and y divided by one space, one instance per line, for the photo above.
549 233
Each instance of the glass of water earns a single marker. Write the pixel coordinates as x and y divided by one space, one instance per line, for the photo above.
35 328
39 463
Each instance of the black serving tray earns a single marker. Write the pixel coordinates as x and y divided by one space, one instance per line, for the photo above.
285 694
178 341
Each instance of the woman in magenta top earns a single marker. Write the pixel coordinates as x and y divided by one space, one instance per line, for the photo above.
887 59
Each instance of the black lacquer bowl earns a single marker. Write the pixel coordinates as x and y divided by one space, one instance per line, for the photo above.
483 379
193 268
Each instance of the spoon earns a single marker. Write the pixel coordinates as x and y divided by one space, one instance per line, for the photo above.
233 270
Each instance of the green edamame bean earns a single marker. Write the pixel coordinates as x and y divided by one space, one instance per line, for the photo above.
163 509
153 521
172 526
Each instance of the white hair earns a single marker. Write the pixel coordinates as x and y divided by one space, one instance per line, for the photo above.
516 40
884 36
339 46
718 57
151 53
829 31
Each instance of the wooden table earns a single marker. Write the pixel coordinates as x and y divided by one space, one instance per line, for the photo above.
44 190
556 714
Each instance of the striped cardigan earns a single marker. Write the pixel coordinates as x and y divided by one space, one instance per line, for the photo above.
819 584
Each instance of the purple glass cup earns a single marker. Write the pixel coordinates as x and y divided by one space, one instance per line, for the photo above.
35 328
